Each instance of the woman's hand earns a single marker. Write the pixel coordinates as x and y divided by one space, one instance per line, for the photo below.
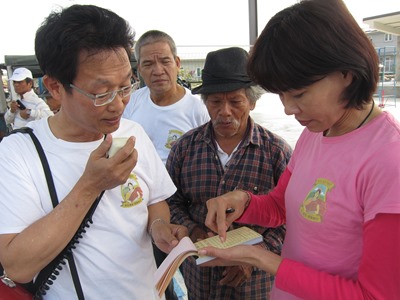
252 255
218 216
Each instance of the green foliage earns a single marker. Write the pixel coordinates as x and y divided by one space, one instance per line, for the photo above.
186 75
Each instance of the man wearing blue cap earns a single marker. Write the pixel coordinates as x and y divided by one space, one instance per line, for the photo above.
28 106
229 152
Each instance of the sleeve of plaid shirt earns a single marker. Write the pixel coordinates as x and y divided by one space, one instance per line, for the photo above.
177 202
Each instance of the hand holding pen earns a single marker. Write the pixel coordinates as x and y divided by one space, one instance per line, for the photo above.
225 209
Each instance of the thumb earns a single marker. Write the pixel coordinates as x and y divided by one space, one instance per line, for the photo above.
101 151
171 240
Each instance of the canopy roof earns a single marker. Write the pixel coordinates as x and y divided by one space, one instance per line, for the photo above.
30 62
389 23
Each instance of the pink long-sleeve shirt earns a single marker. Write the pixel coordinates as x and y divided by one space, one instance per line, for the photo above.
340 200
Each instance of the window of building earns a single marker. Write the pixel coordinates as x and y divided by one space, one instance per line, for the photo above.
388 37
389 64
198 72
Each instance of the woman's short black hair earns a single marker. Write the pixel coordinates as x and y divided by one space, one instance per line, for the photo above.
309 40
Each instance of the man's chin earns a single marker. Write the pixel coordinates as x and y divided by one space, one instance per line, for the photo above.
110 129
225 133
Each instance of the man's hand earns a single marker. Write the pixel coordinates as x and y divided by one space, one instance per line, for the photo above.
13 107
25 113
166 236
103 173
235 276
198 234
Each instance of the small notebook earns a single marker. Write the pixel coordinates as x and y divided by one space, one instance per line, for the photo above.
186 248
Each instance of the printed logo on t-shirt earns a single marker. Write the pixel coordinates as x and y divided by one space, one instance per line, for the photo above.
314 206
173 136
131 192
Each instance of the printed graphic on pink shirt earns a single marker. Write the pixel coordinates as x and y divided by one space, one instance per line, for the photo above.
131 192
314 206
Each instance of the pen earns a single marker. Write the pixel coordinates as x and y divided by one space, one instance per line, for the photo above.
230 210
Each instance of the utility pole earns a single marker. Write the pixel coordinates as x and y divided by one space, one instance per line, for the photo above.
3 104
253 22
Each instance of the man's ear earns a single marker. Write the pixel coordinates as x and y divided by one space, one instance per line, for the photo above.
178 62
53 86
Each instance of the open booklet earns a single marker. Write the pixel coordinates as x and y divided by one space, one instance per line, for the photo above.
186 248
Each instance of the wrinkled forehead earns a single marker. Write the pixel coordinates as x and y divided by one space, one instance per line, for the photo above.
103 65
157 50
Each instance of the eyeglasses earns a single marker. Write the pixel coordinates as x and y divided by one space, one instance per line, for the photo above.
104 99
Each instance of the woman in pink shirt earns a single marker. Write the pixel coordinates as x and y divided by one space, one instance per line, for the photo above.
339 196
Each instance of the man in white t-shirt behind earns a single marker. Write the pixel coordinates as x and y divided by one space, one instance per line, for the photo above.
165 109
28 106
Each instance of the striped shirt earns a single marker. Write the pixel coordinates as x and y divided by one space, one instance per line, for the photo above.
198 174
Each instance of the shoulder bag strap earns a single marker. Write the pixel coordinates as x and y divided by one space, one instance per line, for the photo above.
45 164
51 271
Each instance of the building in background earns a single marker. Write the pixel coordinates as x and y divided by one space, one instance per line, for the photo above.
385 35
387 45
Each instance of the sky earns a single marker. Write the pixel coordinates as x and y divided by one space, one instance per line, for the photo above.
189 22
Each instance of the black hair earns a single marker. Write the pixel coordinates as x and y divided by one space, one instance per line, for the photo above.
63 35
309 40
154 36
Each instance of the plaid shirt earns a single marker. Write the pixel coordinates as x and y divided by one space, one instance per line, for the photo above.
196 170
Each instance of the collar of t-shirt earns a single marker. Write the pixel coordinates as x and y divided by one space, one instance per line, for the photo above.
223 156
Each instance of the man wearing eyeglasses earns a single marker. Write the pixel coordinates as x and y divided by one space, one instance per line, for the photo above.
84 51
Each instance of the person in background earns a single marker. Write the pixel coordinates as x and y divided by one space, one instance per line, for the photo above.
53 103
3 127
229 152
165 109
28 106
344 243
84 51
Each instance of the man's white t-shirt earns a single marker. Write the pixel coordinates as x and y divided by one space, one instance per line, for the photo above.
165 124
114 257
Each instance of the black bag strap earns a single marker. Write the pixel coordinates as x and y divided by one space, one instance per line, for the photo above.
50 272
45 164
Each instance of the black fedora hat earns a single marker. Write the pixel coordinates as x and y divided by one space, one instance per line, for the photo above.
225 70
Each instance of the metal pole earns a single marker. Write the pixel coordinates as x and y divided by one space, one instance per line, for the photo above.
253 20
3 104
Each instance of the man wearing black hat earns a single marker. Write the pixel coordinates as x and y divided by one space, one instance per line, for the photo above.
229 152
